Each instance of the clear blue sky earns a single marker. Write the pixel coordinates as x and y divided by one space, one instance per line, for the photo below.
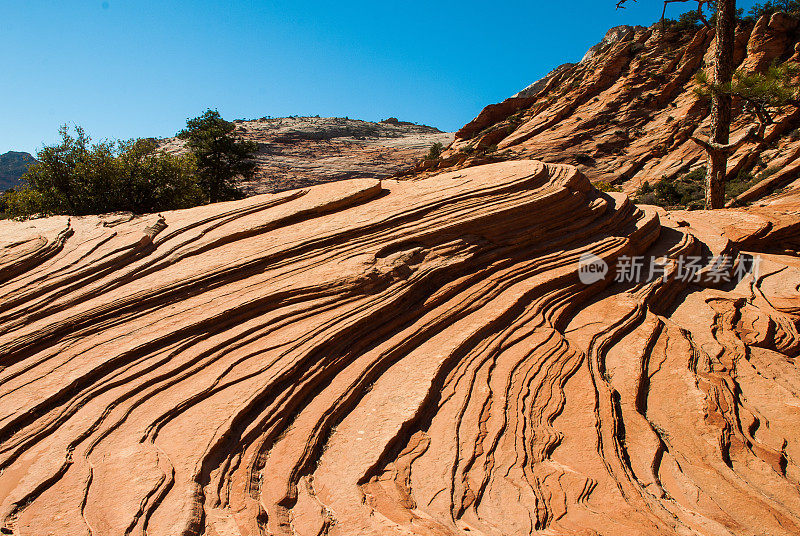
129 68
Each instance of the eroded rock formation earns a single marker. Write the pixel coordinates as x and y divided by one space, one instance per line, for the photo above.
624 114
420 357
297 152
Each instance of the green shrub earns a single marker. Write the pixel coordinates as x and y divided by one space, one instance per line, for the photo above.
746 180
689 191
78 177
770 7
685 192
468 149
25 202
435 151
771 170
604 186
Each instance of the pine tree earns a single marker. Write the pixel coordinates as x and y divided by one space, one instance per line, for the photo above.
221 157
760 92
718 146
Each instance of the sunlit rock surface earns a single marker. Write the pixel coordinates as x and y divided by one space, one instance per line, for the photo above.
298 152
626 112
400 358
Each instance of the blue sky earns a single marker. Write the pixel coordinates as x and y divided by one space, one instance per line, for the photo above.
129 68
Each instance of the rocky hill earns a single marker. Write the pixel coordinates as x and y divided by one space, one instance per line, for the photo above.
13 165
296 152
624 114
429 357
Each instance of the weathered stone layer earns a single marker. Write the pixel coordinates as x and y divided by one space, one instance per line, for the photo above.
626 112
415 357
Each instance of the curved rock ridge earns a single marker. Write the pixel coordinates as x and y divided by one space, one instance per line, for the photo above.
400 358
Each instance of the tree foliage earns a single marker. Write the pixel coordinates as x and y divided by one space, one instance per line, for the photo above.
686 22
77 177
768 8
766 92
762 93
220 156
435 151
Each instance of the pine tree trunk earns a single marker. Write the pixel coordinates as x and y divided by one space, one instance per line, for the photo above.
715 179
721 103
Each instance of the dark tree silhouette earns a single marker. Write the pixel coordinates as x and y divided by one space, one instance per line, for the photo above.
221 157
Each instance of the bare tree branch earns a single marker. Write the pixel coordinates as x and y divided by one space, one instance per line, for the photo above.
761 110
700 4
746 136
764 119
702 143
711 147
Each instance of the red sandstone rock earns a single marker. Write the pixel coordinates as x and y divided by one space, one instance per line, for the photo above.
380 357
625 113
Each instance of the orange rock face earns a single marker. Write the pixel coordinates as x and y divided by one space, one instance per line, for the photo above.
625 113
393 358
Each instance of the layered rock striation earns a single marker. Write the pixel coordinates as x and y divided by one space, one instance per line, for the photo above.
297 152
413 357
624 114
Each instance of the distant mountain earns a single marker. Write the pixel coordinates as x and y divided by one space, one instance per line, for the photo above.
13 165
297 152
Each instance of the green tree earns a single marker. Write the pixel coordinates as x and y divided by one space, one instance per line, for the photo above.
220 156
56 176
78 177
762 93
718 146
768 8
